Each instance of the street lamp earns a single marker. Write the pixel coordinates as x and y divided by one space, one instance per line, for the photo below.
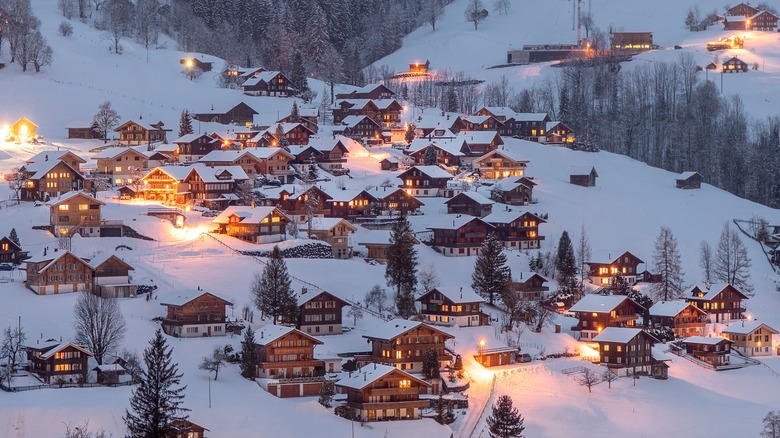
482 352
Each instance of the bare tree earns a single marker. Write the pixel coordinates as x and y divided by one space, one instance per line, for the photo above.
583 253
432 11
587 22
67 7
667 264
376 298
588 378
214 362
541 315
732 264
356 313
13 344
132 364
82 431
475 12
501 7
99 324
16 182
40 52
705 261
609 377
147 26
105 119
427 278
771 425
117 16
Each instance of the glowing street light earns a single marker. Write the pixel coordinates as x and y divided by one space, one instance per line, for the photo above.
482 352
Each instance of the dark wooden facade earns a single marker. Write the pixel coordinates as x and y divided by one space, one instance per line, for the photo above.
320 313
58 363
49 181
596 312
134 133
631 41
241 114
402 343
351 204
371 91
286 353
625 349
468 203
742 9
393 200
452 308
195 314
256 225
764 20
601 272
713 351
194 146
584 179
686 320
360 127
267 83
58 272
379 392
462 239
722 302
76 214
530 286
516 230
424 180
734 65
689 180
10 252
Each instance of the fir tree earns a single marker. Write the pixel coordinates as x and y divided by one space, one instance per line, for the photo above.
430 363
298 74
248 357
13 237
272 292
444 414
505 421
401 268
565 263
185 123
326 393
295 113
491 272
281 139
156 401
667 264
451 100
430 156
409 135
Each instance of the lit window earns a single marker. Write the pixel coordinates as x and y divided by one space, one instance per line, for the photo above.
405 383
63 207
83 207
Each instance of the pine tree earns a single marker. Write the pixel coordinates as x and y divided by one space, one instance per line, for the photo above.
451 100
13 237
295 113
441 411
430 156
667 264
248 356
298 78
505 421
185 123
156 401
491 272
409 135
326 393
430 363
272 292
401 268
565 263
281 139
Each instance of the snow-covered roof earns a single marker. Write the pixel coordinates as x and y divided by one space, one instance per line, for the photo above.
166 148
452 221
669 308
113 152
55 347
189 138
104 257
178 299
746 328
530 117
736 18
477 137
620 335
477 120
303 298
211 174
110 368
501 111
375 237
52 257
705 340
686 175
460 295
39 169
709 292
327 223
352 121
371 373
598 303
247 214
70 195
523 276
511 154
344 195
264 76
452 146
433 171
474 196
581 170
269 333
505 216
52 155
394 328
220 156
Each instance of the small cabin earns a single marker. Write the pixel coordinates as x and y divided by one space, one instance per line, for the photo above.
689 180
585 177
389 163
419 68
734 65
192 63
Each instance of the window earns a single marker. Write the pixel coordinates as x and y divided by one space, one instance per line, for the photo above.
83 207
405 383
606 347
63 207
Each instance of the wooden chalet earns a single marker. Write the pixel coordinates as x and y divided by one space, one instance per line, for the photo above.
742 9
751 338
714 351
481 123
75 213
452 307
558 132
296 202
123 165
193 147
736 22
166 184
58 271
631 41
111 278
734 65
195 63
764 21
402 343
330 154
385 112
273 163
87 131
528 126
513 191
500 163
359 128
188 429
529 286
381 392
58 362
391 201
478 143
306 116
722 302
689 180
267 83
64 155
370 91
10 252
240 113
629 351
320 313
255 225
419 68
597 312
294 134
448 152
287 353
23 129
516 229
498 356
111 373
194 314
214 187
585 177
460 235
138 133
45 179
424 180
603 268
377 242
389 163
471 203
683 318
351 203
335 232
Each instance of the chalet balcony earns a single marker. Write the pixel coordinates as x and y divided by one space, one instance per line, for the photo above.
392 391
410 404
282 172
182 321
291 364
690 325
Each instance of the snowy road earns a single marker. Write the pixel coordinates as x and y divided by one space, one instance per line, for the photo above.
482 383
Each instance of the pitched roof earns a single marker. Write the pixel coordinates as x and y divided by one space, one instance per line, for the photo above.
454 221
620 335
530 117
189 138
500 111
61 346
375 237
371 373
478 137
103 257
345 195
474 196
670 308
710 292
70 195
327 223
211 174
457 295
432 171
269 333
509 216
396 327
247 214
510 154
609 257
183 297
451 146
686 175
705 340
264 76
39 169
116 151
53 155
306 297
352 121
582 170
746 328
52 257
599 303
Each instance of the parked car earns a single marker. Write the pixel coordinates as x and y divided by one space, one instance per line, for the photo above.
6 267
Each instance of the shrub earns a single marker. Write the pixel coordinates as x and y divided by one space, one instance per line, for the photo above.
65 29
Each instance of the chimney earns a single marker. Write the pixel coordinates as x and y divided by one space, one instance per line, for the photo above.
374 365
262 334
461 292
521 275
365 379
304 290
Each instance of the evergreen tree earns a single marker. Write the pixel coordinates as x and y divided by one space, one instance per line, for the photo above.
13 237
430 364
565 263
156 401
185 123
281 139
272 292
451 100
401 268
298 74
491 272
667 264
505 421
326 393
409 135
430 156
295 113
441 411
248 356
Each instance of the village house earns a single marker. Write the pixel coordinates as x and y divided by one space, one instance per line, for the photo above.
722 302
734 65
193 147
385 112
22 130
516 229
714 351
166 184
58 362
85 131
320 313
451 307
329 154
194 313
294 134
631 41
359 128
460 235
481 123
689 180
597 312
390 163
471 203
500 163
287 353
273 163
49 178
424 180
195 63
267 83
764 21
111 277
391 201
751 338
448 152
242 136
478 143
188 429
402 343
63 155
306 115
138 133
603 267
736 22
255 225
126 164
680 316
558 132
228 139
530 126
10 252
370 91
513 191
629 351
742 9
335 232
169 150
215 187
297 203
529 286
240 114
76 213
58 271
583 176
111 373
377 242
381 392
351 203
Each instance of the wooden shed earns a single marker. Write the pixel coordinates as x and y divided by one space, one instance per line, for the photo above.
585 177
689 180
734 65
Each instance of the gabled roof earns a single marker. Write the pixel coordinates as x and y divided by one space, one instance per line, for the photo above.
478 120
509 216
455 222
671 309
352 121
509 154
56 348
184 297
52 257
711 292
499 111
607 257
328 223
53 155
379 237
10 242
177 173
247 214
621 335
39 169
372 373
530 117
747 328
104 257
25 120
453 147
474 196
286 129
456 295
146 126
305 298
759 13
263 76
397 327
269 333
189 138
327 144
226 108
705 340
117 151
582 170
600 303
687 175
430 171
736 18
381 193
346 195
211 174
524 276
479 137
73 194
